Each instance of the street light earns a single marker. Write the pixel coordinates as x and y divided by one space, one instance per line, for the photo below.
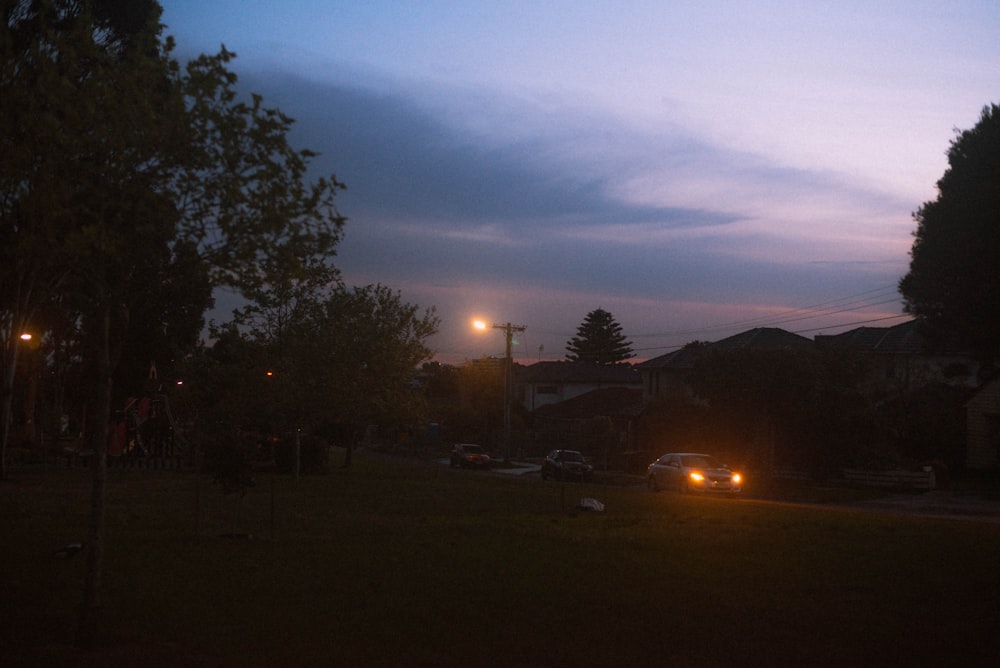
9 366
508 376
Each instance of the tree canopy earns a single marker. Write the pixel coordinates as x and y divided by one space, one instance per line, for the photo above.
129 186
599 340
953 285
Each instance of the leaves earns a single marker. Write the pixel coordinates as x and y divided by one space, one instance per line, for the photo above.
953 284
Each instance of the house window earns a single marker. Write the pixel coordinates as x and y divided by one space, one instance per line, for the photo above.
547 389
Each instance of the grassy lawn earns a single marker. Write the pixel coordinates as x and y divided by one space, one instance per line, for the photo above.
402 565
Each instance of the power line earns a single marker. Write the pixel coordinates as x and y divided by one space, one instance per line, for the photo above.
850 303
830 307
847 304
798 331
851 324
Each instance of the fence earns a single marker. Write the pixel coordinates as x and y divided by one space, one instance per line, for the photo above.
895 478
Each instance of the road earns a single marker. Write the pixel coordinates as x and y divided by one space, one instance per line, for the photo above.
942 504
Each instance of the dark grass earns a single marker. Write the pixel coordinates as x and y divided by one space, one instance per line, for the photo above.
418 565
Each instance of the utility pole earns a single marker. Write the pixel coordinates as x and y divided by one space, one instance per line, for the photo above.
508 381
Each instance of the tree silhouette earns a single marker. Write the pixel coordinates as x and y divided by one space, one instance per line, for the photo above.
953 286
599 340
128 181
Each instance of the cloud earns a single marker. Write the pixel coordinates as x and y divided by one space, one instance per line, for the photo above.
570 207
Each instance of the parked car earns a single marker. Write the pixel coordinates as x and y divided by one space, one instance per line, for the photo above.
692 472
566 465
469 456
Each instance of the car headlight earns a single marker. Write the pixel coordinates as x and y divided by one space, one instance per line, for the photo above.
697 477
737 478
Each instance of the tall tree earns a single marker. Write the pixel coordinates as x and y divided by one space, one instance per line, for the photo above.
953 285
115 161
341 358
599 340
89 212
359 357
792 407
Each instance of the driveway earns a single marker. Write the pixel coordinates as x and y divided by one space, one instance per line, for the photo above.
937 503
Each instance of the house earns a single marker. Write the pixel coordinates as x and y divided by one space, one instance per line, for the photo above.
620 404
601 423
666 375
904 361
983 427
546 383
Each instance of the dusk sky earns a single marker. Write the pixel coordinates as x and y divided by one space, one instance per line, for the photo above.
695 168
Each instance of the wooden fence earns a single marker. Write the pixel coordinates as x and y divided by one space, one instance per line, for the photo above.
895 478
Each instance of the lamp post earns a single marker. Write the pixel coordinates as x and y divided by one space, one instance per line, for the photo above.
9 365
508 377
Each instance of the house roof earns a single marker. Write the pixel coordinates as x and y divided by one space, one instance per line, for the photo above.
985 389
578 372
763 338
903 339
862 338
612 402
760 338
678 359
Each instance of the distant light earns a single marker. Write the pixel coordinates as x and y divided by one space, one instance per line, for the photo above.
479 324
26 337
180 382
270 373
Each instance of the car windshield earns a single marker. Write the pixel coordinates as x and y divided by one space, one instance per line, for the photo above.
571 456
701 462
472 449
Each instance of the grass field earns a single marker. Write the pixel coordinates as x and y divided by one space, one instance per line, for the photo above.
403 565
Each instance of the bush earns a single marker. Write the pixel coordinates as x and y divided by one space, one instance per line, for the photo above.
314 455
229 464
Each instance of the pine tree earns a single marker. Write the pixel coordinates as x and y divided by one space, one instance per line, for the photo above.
599 340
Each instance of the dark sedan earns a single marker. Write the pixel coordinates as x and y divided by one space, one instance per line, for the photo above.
566 465
469 456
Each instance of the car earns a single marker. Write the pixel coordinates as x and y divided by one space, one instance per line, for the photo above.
566 465
692 472
469 456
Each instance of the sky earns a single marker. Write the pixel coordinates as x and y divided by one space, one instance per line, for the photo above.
695 168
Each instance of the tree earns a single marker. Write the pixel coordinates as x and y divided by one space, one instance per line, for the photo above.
361 357
953 285
340 359
798 408
599 340
116 161
480 407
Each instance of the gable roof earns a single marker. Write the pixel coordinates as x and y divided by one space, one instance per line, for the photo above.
760 338
988 388
578 372
678 359
903 339
612 402
763 338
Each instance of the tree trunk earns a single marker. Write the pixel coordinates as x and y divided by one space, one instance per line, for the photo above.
89 632
11 347
7 392
297 454
347 453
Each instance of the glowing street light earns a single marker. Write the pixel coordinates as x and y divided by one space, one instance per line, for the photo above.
508 376
11 350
